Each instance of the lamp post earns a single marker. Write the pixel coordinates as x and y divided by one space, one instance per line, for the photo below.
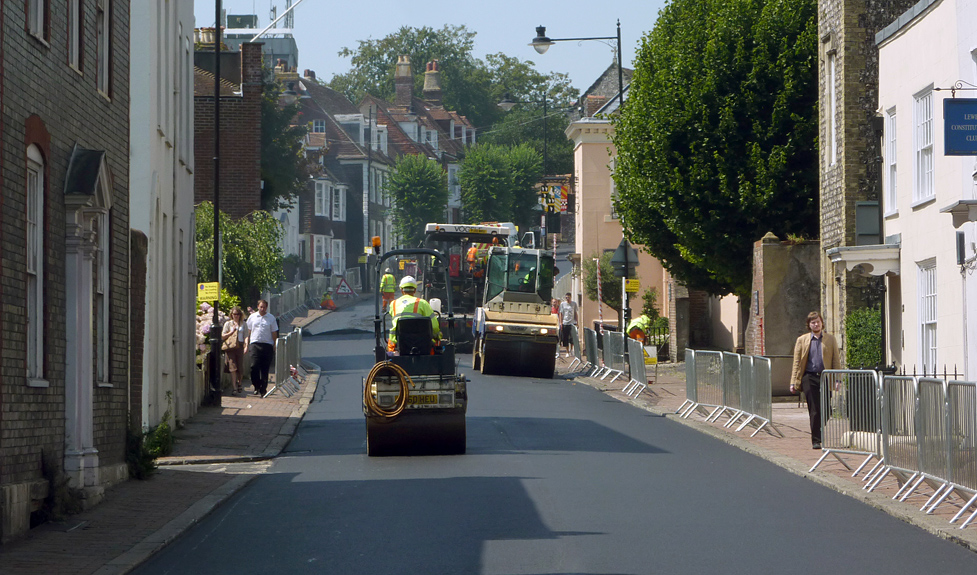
541 44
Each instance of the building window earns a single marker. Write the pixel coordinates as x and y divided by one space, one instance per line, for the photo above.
923 146
37 11
35 264
319 251
318 126
100 272
890 163
339 204
339 257
103 45
927 316
74 34
321 198
832 109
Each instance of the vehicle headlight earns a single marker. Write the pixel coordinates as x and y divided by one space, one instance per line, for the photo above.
498 328
543 331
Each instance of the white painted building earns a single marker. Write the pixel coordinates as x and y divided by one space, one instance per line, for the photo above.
161 200
928 197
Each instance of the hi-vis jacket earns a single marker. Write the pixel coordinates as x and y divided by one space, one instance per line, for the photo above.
411 306
388 283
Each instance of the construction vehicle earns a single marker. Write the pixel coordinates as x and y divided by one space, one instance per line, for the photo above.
466 271
413 399
515 329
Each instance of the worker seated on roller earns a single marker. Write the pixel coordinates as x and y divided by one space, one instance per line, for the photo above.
410 306
639 327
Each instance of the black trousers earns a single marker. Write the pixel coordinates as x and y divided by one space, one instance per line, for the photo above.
811 387
262 355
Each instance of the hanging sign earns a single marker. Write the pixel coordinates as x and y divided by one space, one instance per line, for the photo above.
960 127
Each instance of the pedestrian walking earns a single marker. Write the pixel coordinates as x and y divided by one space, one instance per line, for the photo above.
814 352
568 319
233 335
327 266
262 335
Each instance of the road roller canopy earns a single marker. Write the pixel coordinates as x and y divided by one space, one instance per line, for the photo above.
519 273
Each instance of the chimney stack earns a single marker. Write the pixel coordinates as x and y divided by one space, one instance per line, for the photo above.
310 74
432 83
403 82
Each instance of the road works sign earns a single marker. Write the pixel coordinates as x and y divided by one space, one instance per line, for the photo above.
344 289
208 291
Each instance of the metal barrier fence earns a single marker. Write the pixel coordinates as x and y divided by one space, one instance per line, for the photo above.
614 354
850 421
718 383
575 343
590 348
288 356
929 435
638 381
307 293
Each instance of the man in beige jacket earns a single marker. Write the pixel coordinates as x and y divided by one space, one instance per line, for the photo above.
814 352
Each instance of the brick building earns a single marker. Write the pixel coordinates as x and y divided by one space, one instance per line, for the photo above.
64 255
240 114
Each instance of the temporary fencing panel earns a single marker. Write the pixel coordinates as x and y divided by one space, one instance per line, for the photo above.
730 386
288 354
691 396
614 353
850 422
590 348
962 429
636 362
575 342
931 437
709 382
899 448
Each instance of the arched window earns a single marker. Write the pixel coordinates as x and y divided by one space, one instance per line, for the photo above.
35 265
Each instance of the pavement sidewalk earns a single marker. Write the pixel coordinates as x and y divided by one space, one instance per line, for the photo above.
216 453
792 451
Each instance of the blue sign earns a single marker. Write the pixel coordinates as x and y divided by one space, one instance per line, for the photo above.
960 127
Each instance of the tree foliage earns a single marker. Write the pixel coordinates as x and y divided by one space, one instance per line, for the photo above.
419 189
717 143
469 85
283 165
497 183
610 284
251 252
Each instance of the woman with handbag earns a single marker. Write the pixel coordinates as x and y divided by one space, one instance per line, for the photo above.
232 336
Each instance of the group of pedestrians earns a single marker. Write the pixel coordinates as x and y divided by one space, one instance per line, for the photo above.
255 336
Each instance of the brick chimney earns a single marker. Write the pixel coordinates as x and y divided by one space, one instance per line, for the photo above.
403 82
252 77
310 74
432 83
594 103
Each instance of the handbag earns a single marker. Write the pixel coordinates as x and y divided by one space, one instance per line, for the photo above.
230 344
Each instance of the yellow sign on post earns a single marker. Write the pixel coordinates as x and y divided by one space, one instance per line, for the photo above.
208 291
632 286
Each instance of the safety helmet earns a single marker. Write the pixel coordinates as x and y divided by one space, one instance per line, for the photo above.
408 282
386 271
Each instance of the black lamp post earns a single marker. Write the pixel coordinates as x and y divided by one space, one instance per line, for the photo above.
214 397
541 44
508 103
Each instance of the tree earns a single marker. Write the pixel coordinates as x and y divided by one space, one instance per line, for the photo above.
717 142
486 184
526 170
419 189
283 165
610 284
251 252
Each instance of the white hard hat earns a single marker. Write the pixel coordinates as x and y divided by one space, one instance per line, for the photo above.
408 281
386 271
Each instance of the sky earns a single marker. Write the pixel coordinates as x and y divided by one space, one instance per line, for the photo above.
323 28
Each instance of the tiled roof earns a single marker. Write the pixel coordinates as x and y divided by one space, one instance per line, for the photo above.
203 84
330 100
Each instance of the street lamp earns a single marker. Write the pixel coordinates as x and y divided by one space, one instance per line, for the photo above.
541 43
508 103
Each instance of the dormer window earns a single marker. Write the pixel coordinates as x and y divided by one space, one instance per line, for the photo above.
318 126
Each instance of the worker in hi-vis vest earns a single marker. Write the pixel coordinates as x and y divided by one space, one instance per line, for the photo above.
388 287
409 305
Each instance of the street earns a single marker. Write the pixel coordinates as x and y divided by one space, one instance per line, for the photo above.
558 478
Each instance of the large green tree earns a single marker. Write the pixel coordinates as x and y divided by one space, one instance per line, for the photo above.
419 189
610 284
717 142
251 252
283 165
498 184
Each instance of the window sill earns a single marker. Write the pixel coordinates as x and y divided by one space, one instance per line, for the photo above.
923 202
104 384
891 214
104 95
40 383
39 38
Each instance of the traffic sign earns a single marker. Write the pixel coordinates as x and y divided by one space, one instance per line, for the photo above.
208 291
343 288
632 286
624 260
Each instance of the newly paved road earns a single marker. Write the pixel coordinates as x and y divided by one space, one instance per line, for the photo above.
558 478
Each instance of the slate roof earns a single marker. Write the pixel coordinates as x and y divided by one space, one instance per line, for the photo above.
203 84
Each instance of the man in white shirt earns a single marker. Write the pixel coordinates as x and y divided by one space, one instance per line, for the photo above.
263 333
568 319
